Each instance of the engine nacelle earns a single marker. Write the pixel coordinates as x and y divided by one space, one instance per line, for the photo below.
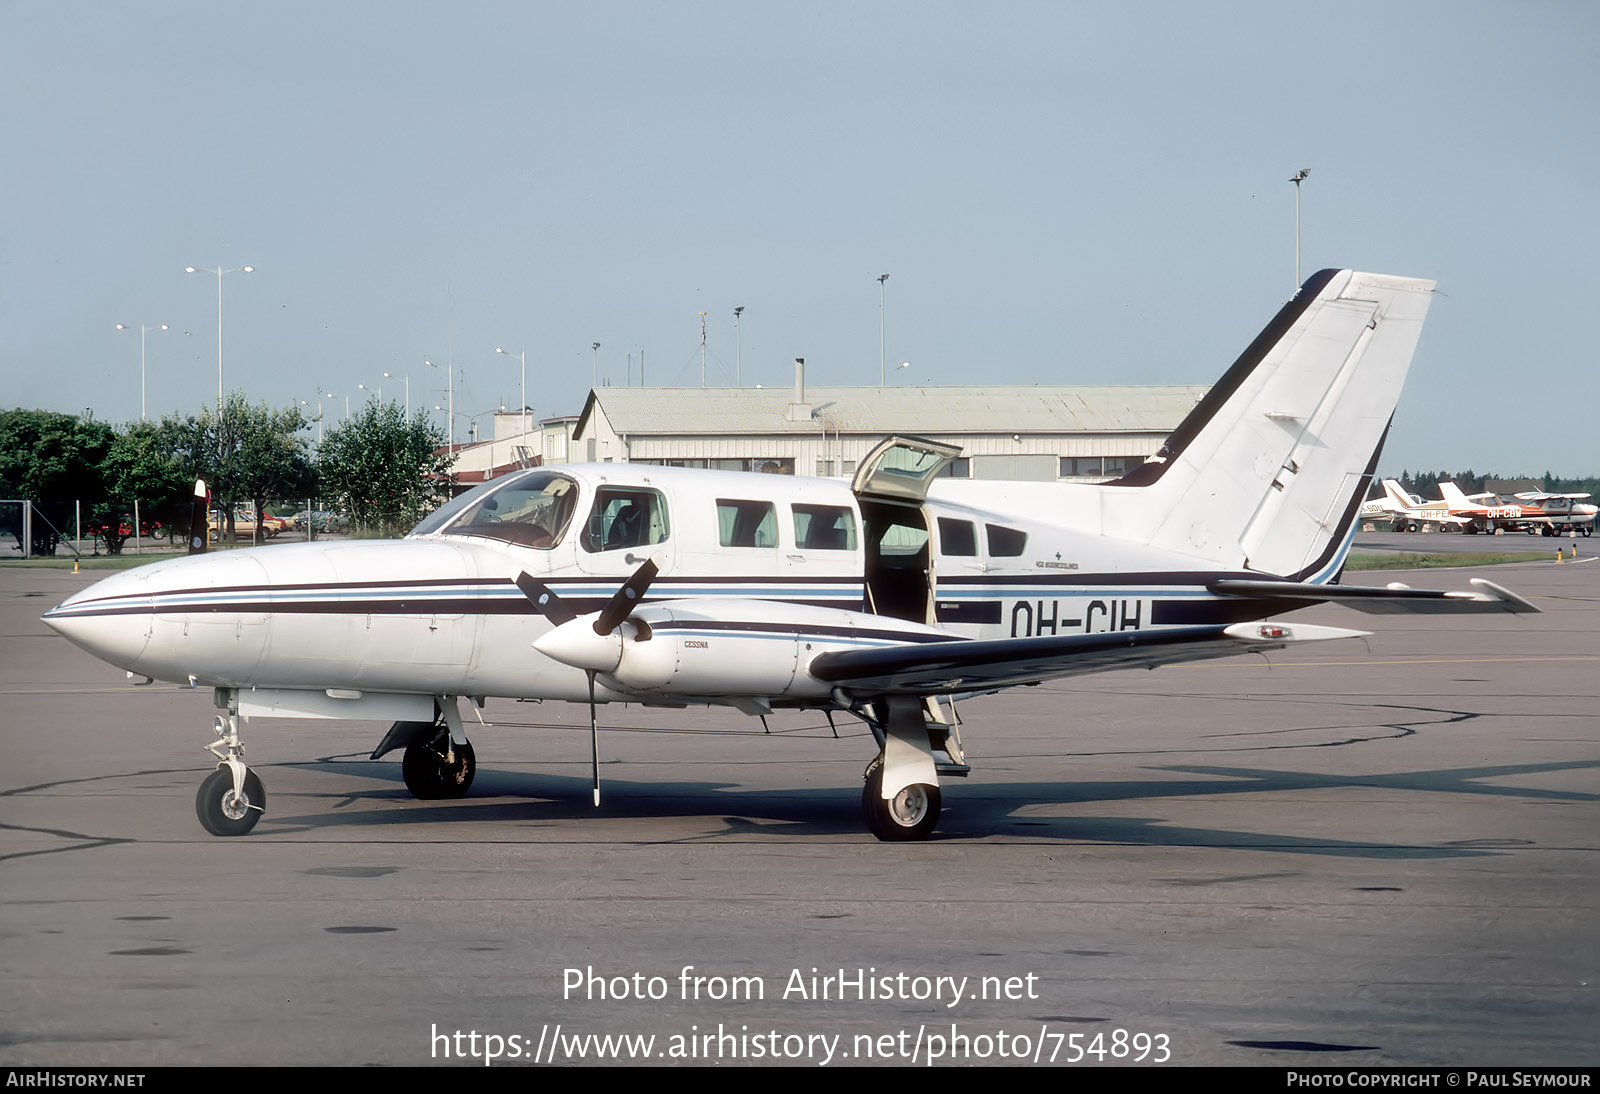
722 646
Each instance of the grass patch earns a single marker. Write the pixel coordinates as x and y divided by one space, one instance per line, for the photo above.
1427 561
89 562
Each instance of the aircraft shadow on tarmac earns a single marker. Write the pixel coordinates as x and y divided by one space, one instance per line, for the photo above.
986 810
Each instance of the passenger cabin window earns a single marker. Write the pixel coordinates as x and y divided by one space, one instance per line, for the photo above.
623 517
531 509
1005 542
747 523
957 537
824 528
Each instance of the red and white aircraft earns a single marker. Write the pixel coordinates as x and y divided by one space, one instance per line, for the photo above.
886 598
1534 511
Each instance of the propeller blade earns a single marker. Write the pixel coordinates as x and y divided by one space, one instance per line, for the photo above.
545 601
594 743
625 599
197 518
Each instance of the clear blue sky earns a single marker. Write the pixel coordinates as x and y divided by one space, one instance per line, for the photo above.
1060 192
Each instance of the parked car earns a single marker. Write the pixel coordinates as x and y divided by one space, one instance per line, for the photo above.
244 524
321 520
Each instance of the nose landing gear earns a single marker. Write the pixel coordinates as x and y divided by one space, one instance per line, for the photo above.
231 799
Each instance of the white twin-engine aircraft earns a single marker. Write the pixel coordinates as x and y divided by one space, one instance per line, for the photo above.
888 597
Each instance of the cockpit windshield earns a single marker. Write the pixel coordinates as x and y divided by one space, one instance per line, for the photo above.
532 509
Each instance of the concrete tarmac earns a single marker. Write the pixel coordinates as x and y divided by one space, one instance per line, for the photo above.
1377 852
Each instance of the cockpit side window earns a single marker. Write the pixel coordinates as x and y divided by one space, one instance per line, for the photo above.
532 510
625 516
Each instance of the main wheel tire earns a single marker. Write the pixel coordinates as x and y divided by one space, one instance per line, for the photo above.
224 813
429 778
909 815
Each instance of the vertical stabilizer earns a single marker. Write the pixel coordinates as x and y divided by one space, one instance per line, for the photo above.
1399 496
1269 470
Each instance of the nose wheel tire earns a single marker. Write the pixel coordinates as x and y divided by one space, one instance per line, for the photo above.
225 813
909 815
429 777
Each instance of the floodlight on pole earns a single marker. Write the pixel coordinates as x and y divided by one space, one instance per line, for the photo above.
1299 177
219 270
738 368
144 328
450 423
883 376
407 379
522 413
596 348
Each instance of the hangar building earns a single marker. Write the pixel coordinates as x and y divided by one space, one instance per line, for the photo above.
1044 433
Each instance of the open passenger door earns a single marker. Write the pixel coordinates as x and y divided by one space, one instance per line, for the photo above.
891 486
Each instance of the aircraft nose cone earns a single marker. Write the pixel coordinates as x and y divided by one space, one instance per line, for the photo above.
110 619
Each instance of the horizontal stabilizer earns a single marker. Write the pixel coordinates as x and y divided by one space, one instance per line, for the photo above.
1386 600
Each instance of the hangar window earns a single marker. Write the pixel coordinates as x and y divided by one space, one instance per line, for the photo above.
625 516
824 528
747 523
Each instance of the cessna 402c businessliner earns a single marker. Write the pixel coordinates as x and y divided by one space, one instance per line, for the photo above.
888 597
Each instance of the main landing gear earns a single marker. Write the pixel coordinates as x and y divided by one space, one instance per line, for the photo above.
439 761
900 800
435 767
231 799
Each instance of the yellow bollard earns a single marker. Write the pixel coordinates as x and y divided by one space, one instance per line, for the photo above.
74 565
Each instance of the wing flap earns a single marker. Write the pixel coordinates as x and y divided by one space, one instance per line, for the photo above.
1393 599
949 667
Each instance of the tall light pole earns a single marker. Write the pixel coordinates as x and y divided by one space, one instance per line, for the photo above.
738 367
144 328
1299 177
596 348
407 379
450 424
883 375
346 398
318 418
522 413
219 270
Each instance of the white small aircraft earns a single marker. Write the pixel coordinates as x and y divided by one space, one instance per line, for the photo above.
1409 512
888 597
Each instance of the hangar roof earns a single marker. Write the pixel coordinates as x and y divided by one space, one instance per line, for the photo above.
745 410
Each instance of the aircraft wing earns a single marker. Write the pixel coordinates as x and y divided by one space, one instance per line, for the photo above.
1393 599
943 668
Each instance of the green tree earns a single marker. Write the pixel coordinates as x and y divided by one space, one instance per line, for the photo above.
389 472
248 455
53 460
143 464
